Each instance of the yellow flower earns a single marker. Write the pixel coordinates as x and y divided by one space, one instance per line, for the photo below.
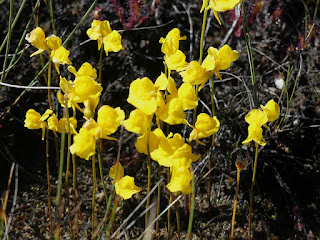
116 172
84 88
204 127
219 6
221 59
58 54
102 32
37 39
61 125
35 121
142 143
54 42
172 151
170 44
163 154
255 134
187 94
138 122
176 61
112 42
161 82
109 119
84 144
180 181
85 70
124 185
98 30
272 110
195 74
257 117
143 95
183 156
172 113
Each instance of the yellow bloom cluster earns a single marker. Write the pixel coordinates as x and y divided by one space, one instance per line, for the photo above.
257 118
102 32
53 45
83 93
167 102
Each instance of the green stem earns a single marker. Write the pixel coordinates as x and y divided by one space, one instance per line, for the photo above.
250 57
49 84
193 196
113 214
94 177
81 21
15 21
8 43
52 18
252 185
204 21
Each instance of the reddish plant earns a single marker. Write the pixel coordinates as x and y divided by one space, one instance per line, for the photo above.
132 13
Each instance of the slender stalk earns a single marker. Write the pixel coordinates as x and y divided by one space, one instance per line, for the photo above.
79 23
99 147
100 65
250 56
213 110
204 22
58 195
15 21
94 177
49 84
193 196
77 194
252 185
67 175
52 18
178 219
46 65
113 214
149 176
8 43
158 202
238 165
169 217
48 178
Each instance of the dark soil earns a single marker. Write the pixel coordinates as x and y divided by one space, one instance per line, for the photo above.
287 191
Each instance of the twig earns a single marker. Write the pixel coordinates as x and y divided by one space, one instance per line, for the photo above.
14 201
